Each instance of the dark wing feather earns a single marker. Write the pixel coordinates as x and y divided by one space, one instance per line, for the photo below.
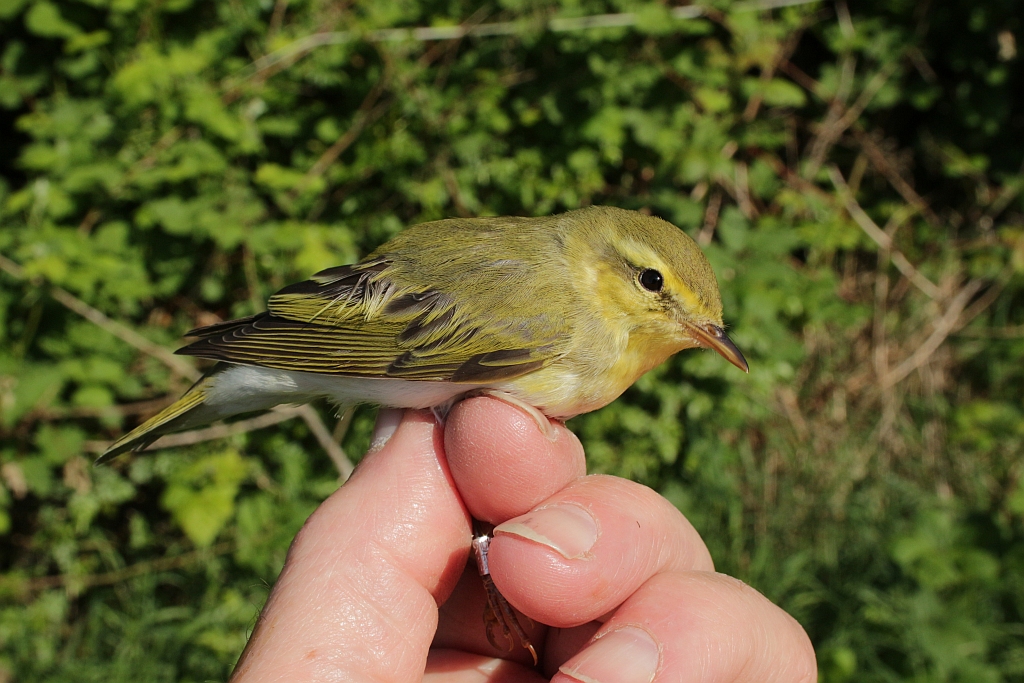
219 328
356 321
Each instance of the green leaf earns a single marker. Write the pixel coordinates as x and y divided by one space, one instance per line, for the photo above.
44 19
776 92
87 41
10 8
201 495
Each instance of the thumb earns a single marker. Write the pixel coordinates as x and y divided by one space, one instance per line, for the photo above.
357 598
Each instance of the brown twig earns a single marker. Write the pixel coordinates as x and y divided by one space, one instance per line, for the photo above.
707 232
269 419
303 46
122 332
833 129
788 399
342 425
879 340
276 19
825 137
999 204
451 184
180 366
1011 332
781 56
92 216
95 214
943 327
988 298
326 441
121 410
800 77
743 192
218 431
866 95
881 163
363 116
161 564
125 334
880 237
860 164
252 281
880 345
163 144
366 114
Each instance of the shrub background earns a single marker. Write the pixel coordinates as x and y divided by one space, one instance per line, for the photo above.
855 174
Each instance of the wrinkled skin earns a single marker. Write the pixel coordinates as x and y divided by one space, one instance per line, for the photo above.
624 581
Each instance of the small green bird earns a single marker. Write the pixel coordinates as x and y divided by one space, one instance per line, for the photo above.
560 314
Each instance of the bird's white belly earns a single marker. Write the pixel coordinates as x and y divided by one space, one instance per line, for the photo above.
250 387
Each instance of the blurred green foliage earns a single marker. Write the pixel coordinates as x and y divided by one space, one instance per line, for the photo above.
854 172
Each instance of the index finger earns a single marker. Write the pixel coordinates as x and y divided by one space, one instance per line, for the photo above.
357 598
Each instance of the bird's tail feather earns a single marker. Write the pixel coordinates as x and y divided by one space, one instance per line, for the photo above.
188 411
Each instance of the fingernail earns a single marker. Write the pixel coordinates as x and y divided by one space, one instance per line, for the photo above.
567 529
387 423
628 655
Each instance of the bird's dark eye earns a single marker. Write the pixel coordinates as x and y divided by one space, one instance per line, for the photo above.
651 280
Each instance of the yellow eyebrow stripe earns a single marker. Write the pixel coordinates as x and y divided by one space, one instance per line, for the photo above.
643 257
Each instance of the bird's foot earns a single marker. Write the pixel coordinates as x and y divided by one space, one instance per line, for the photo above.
499 617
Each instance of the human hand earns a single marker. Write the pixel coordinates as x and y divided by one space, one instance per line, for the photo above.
623 581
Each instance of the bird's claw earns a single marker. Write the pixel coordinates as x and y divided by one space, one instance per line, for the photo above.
498 613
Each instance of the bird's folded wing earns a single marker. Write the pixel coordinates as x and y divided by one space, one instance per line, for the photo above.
354 321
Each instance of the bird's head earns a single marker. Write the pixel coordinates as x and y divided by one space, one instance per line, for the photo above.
652 278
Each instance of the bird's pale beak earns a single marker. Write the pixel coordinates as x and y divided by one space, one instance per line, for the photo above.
714 337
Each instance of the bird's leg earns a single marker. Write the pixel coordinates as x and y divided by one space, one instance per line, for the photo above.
498 614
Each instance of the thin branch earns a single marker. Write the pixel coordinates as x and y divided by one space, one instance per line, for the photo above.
276 19
279 414
120 410
218 431
743 192
342 425
791 405
866 95
707 232
327 442
945 325
1006 195
879 343
840 117
269 419
122 332
451 184
988 298
366 114
767 74
161 564
880 237
252 280
800 77
882 165
824 138
125 334
307 44
95 214
1012 332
